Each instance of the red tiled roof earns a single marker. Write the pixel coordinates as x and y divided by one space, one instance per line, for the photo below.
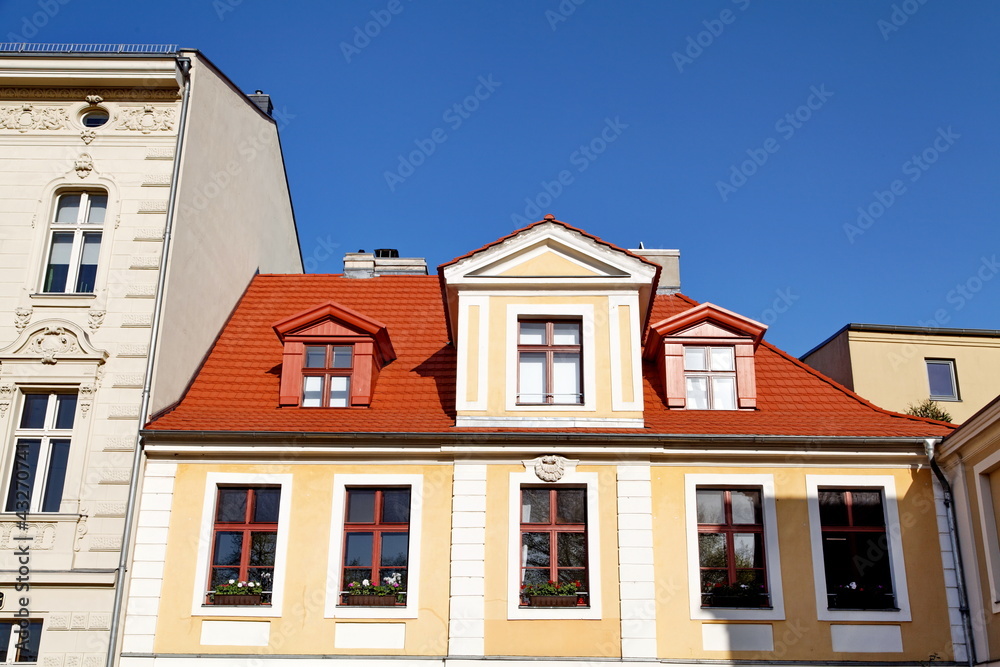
237 388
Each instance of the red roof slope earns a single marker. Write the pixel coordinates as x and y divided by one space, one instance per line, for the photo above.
237 388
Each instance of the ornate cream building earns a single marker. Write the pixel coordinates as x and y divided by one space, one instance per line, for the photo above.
140 191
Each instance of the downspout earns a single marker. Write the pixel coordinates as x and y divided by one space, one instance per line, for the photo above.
963 597
183 73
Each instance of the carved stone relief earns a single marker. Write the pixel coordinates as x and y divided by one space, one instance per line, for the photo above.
134 94
88 136
95 318
84 165
27 117
145 119
550 468
86 398
6 393
51 341
21 318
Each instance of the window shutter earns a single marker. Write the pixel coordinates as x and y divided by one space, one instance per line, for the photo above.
746 380
291 374
673 374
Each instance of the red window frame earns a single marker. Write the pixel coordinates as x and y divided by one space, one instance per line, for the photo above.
729 529
553 527
246 527
550 349
377 527
873 577
327 371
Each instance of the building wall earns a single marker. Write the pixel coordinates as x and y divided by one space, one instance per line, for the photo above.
889 369
834 360
233 219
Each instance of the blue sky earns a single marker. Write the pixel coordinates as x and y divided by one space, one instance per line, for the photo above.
816 163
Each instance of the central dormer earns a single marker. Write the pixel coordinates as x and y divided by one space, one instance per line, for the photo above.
547 324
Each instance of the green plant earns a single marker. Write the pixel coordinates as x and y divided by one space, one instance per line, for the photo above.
736 590
930 409
234 587
390 586
551 588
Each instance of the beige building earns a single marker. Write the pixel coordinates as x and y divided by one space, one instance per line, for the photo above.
140 191
896 366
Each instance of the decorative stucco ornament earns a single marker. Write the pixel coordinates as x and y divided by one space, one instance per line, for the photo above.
52 341
550 468
84 165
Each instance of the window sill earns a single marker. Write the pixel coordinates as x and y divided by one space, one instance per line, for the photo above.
62 300
945 399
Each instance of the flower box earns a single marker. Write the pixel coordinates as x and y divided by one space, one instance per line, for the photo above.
858 599
552 600
738 601
236 600
370 600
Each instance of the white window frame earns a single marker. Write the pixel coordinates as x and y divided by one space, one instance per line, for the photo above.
988 524
771 556
334 571
46 434
887 485
15 633
213 481
78 229
708 375
570 478
950 363
585 314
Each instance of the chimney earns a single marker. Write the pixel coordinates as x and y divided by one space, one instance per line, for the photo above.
262 100
670 271
382 262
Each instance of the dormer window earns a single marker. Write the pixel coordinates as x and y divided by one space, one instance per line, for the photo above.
326 375
710 378
332 357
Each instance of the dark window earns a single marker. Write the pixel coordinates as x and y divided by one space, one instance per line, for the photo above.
942 379
75 244
245 536
554 535
326 371
731 548
19 641
41 453
377 537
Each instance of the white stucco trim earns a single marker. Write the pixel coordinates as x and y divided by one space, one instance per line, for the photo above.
212 482
988 524
336 553
618 401
586 314
887 484
465 349
772 557
467 600
570 478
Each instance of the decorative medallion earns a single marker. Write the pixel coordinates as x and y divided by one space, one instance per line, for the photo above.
88 136
21 318
146 119
29 117
52 341
95 319
94 99
550 468
84 165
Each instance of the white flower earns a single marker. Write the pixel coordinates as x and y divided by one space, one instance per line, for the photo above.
239 585
364 582
852 585
232 581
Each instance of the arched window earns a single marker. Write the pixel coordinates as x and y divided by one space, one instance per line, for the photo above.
75 242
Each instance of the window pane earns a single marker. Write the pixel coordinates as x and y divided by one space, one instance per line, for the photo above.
711 506
394 549
221 575
341 356
23 470
832 508
5 628
566 333
340 391
88 263
746 507
391 572
694 359
315 356
711 579
722 358
357 574
532 333
359 550
65 410
535 549
396 505
572 549
27 642
33 412
866 508
532 377
266 505
68 209
312 391
723 393
566 377
58 268
748 550
571 506
576 574
56 477
361 506
535 506
232 506
712 549
939 377
697 393
262 547
98 209
228 548
534 576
